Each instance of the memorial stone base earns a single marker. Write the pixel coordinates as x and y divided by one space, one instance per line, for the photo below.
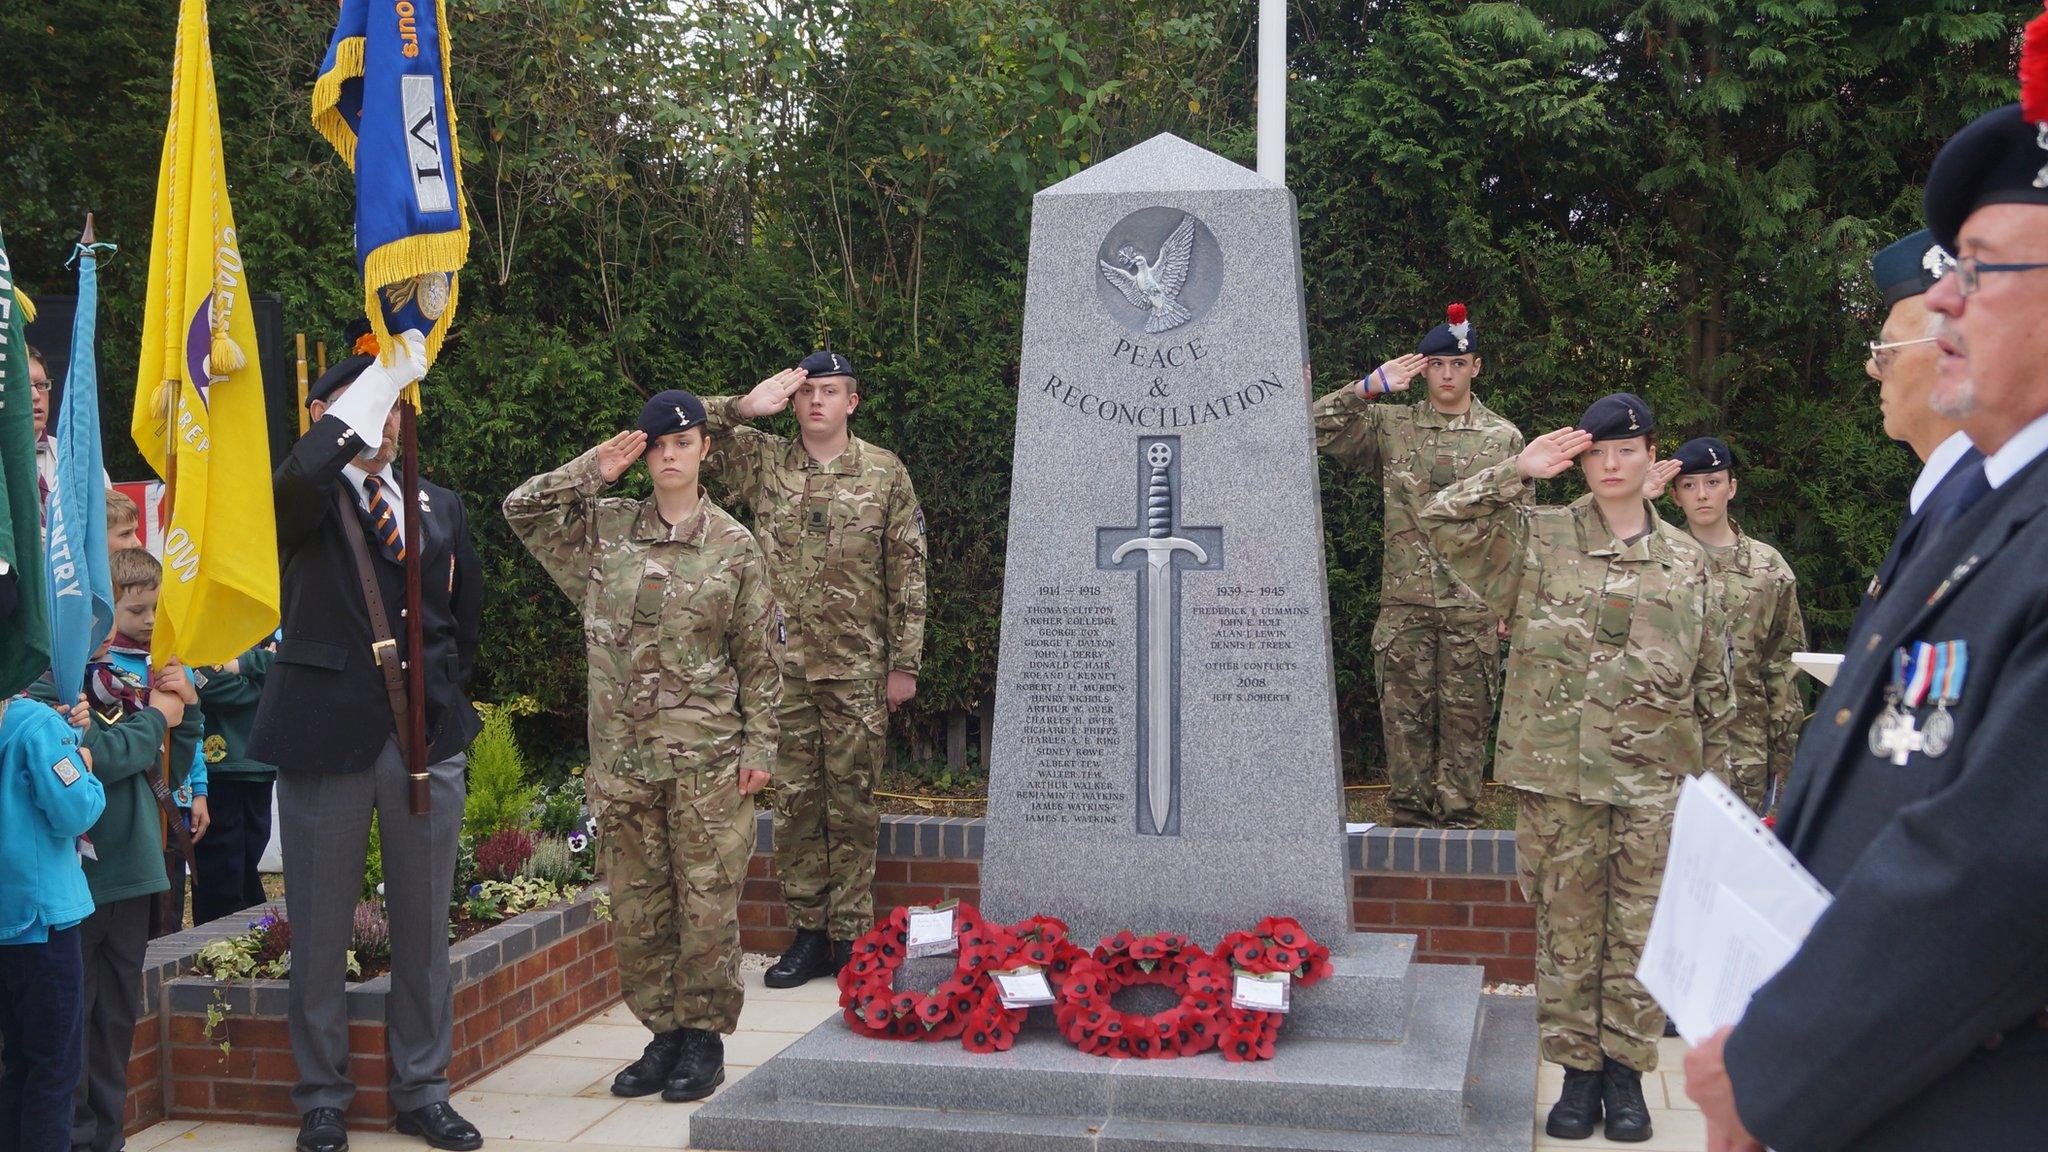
1387 1055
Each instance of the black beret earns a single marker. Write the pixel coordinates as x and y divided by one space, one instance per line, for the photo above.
666 413
345 370
1909 267
827 364
338 375
1451 338
1618 416
1995 159
1705 454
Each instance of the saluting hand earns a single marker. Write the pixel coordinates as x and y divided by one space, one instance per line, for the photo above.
1659 477
1551 453
771 395
1393 376
617 454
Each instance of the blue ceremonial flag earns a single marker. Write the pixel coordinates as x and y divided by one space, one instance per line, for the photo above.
75 555
382 99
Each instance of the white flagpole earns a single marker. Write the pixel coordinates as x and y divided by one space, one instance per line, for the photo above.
1273 90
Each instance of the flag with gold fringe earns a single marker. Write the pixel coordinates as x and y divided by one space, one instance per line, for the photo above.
199 414
383 100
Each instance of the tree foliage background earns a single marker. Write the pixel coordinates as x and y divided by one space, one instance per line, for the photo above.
1675 197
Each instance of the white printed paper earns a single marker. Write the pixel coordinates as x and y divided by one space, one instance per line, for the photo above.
930 932
1023 988
1264 993
1734 908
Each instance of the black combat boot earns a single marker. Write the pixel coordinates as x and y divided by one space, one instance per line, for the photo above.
1621 1093
842 955
809 957
1578 1108
701 1069
650 1073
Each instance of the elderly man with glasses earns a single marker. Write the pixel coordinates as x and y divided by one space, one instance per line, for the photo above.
1902 361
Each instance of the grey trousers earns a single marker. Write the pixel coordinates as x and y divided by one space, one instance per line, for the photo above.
325 819
112 941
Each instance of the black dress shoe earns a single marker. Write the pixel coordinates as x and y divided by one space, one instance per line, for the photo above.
809 957
322 1130
1577 1108
701 1069
650 1073
443 1127
1621 1094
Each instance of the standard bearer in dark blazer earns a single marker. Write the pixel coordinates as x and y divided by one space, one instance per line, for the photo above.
326 721
1915 1015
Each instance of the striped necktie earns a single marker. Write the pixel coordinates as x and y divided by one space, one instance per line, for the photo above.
384 520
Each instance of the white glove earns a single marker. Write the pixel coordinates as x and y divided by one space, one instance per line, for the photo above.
368 399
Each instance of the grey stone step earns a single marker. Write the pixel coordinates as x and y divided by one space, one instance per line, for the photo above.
758 1114
1365 997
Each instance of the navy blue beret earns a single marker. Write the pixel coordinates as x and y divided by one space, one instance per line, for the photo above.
1909 267
667 413
1705 454
1995 159
827 364
1618 416
339 374
344 371
1452 338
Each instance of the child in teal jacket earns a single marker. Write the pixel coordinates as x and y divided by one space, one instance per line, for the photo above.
48 799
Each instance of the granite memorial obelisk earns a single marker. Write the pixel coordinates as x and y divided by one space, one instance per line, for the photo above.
1165 725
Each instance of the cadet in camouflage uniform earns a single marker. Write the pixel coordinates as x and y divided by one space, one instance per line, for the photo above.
1760 604
680 629
840 526
1436 645
1615 693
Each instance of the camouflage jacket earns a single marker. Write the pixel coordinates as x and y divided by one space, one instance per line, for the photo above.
844 542
1615 685
1414 452
678 624
1760 604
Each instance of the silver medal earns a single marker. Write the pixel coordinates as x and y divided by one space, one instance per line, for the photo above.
1941 728
1881 732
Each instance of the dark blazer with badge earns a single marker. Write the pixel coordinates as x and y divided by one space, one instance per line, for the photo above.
324 707
1911 1016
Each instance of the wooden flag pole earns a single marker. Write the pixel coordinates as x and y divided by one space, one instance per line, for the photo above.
415 746
305 418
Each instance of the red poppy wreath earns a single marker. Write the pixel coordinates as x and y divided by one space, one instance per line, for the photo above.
1090 1022
873 1007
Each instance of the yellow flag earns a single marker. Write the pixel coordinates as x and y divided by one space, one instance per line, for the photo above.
199 417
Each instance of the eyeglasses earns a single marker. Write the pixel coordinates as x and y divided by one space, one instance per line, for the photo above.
1882 353
42 387
1968 270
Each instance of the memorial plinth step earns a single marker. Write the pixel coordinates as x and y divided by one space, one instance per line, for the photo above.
1450 1085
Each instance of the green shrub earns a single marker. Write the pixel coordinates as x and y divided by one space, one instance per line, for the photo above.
499 796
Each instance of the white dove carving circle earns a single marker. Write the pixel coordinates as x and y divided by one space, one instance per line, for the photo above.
1154 286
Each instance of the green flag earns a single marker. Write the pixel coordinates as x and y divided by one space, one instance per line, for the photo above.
24 633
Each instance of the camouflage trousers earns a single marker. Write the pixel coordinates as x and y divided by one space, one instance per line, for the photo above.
1752 781
1439 674
1593 871
675 855
825 819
